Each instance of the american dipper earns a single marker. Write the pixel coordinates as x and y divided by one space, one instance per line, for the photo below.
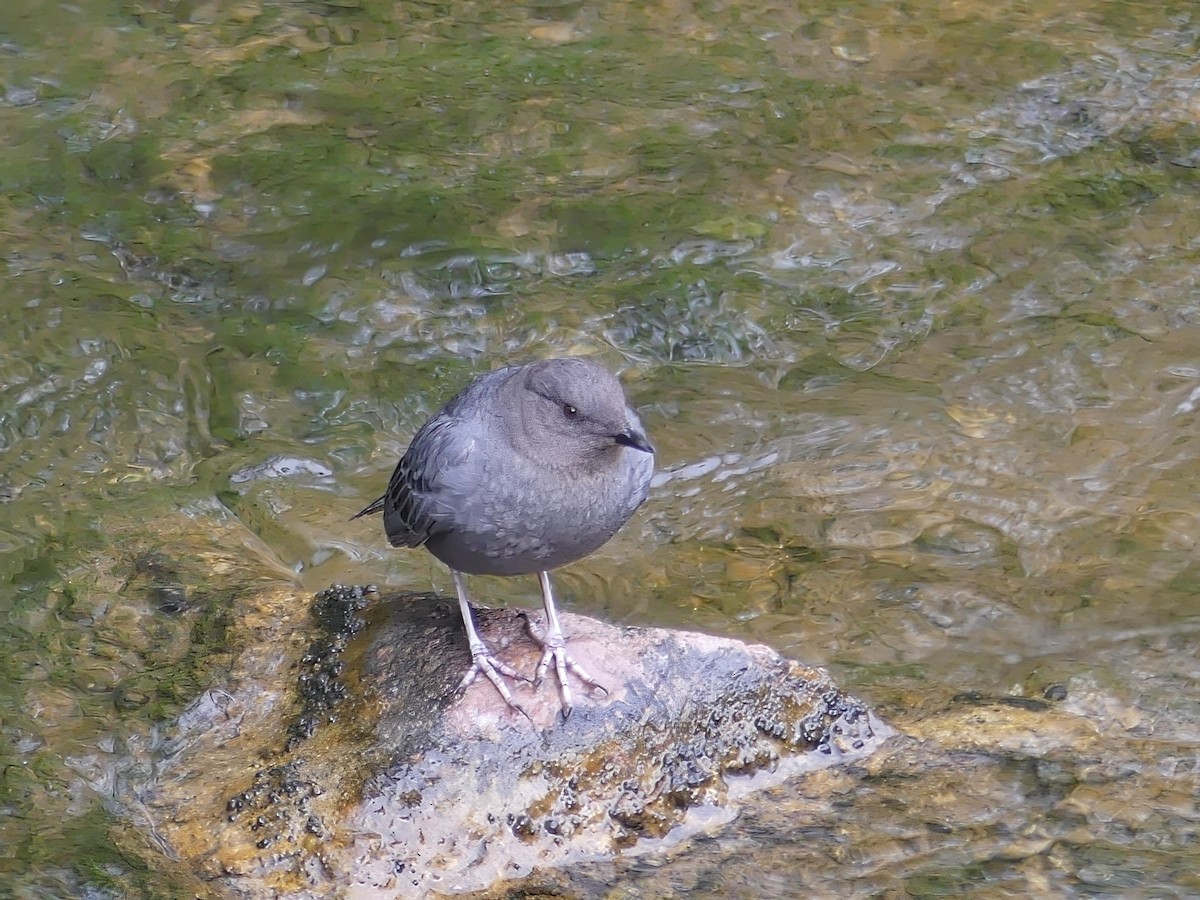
527 469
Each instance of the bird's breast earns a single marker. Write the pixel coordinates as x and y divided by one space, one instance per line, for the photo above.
523 519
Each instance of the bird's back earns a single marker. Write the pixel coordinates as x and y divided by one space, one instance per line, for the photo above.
416 499
433 478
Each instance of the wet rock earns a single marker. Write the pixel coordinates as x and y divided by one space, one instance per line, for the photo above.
371 776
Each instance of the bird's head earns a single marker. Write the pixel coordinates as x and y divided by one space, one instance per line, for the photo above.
572 408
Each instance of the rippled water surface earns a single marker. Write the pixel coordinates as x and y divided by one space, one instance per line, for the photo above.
908 296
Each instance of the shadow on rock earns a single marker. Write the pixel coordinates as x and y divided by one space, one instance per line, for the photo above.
374 776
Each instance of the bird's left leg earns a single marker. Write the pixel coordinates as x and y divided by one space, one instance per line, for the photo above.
554 647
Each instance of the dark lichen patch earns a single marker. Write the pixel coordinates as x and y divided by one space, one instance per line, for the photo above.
277 808
645 782
337 608
523 826
320 684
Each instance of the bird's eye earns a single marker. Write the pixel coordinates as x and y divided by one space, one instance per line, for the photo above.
569 411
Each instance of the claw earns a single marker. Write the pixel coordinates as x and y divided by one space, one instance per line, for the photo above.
493 669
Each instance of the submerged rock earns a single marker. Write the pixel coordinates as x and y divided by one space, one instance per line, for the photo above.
370 776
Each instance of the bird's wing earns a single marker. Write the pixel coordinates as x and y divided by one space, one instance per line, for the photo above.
421 496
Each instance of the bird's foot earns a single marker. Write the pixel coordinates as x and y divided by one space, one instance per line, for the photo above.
495 671
554 651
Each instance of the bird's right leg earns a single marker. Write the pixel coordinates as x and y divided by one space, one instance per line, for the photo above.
481 658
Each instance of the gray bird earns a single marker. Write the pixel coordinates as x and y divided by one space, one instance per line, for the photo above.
527 469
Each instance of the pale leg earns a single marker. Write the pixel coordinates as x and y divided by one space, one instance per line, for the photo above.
555 650
481 659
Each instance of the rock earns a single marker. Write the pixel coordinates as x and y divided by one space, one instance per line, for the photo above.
371 777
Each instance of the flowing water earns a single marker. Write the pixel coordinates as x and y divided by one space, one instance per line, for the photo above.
908 296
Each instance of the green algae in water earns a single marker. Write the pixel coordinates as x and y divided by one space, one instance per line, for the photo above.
420 123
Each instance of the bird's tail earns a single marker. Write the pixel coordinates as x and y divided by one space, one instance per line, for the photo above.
375 507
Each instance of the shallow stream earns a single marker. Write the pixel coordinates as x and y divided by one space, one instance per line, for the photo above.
908 296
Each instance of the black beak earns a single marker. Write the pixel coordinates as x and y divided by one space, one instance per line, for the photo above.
634 439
